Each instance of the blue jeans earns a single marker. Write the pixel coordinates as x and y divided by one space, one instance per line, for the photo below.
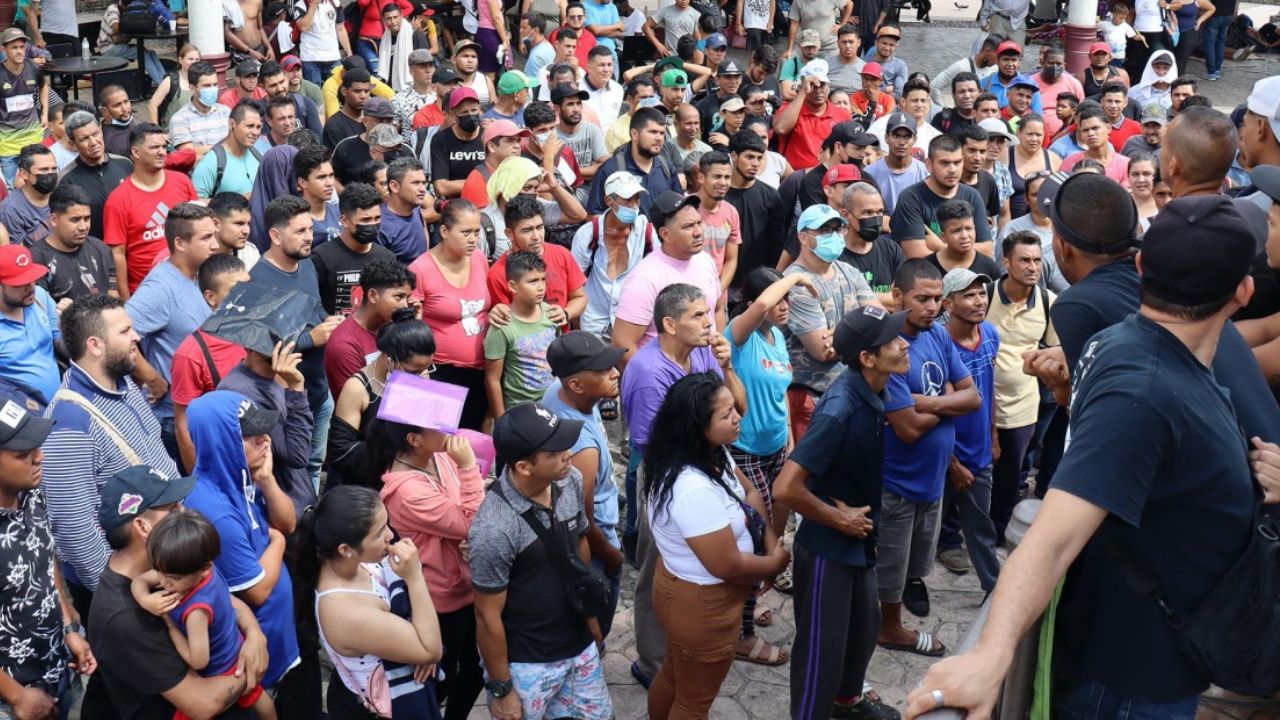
633 502
1214 33
317 72
319 438
1094 701
155 70
368 49
9 168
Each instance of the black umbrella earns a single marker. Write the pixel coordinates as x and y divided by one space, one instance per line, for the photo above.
256 317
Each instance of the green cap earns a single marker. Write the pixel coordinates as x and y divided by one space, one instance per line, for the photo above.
670 61
513 81
675 79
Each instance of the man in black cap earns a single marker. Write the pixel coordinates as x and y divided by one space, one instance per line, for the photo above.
38 679
144 675
728 81
833 480
539 655
1155 440
586 372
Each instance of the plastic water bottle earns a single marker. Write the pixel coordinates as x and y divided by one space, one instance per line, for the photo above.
84 48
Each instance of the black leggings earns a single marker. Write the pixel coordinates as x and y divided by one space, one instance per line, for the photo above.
463 678
477 404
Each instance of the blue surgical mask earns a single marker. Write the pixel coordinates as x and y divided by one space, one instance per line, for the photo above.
829 247
208 96
117 122
626 215
651 101
542 137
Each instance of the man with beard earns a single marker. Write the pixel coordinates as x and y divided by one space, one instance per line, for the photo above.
275 82
25 213
79 264
103 425
286 266
721 229
94 170
914 223
117 118
980 66
641 157
584 139
401 229
761 214
339 265
232 165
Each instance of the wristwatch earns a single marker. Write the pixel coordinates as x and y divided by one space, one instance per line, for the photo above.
498 688
73 627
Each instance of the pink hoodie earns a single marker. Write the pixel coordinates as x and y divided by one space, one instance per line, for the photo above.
436 514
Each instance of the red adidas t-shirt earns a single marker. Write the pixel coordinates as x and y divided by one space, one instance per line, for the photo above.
134 217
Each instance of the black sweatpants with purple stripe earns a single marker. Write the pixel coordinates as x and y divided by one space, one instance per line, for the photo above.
837 619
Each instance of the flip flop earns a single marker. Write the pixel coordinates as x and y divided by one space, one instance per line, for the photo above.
762 653
763 618
922 646
783 583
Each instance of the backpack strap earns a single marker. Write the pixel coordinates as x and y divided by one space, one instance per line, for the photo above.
220 155
103 423
490 234
208 358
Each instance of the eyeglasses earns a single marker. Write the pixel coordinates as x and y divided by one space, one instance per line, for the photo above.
1037 175
430 369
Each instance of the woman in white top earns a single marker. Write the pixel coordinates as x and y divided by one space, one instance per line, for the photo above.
376 618
708 524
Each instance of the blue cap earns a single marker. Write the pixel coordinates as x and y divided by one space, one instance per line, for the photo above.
717 40
815 216
1025 81
135 489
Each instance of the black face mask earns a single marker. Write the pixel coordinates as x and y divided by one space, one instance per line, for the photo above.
365 233
869 228
468 123
45 183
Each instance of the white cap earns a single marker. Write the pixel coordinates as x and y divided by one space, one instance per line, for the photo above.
815 68
1265 101
996 126
624 185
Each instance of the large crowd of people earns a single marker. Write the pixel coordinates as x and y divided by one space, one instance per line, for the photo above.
396 342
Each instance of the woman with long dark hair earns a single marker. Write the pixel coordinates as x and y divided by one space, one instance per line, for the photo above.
454 291
431 486
405 344
376 618
708 524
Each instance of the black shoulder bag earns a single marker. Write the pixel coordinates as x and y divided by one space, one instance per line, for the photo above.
1231 638
586 588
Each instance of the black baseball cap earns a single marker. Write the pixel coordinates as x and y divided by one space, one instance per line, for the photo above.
866 328
668 204
565 90
20 429
1196 251
255 419
529 427
138 488
580 350
1108 194
843 133
444 76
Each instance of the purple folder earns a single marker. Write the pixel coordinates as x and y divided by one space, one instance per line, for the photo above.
428 404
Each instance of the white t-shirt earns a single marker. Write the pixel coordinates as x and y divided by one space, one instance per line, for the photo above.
698 507
1147 16
755 14
774 166
319 43
1117 37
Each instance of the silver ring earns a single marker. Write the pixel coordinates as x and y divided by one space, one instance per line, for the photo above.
937 698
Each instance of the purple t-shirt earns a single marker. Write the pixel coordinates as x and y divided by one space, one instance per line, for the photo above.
645 383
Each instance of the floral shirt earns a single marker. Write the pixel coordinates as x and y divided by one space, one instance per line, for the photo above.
31 643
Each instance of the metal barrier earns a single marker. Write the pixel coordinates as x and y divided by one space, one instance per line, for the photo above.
1015 692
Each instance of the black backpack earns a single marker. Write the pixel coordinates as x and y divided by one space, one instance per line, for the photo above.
220 153
137 19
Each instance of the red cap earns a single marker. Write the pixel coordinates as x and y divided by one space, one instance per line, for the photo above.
503 129
17 268
1008 46
1100 47
873 69
289 62
457 95
841 174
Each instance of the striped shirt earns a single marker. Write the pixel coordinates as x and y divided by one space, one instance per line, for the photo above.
189 125
79 457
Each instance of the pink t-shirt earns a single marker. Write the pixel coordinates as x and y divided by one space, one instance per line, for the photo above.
719 230
1049 100
458 317
656 271
1117 169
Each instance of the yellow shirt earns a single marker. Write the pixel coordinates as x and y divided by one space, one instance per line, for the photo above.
330 91
1022 327
618 134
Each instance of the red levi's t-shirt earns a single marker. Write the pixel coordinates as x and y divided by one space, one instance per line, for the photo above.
189 376
134 217
563 276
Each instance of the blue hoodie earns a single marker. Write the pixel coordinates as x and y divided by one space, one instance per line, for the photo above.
225 494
